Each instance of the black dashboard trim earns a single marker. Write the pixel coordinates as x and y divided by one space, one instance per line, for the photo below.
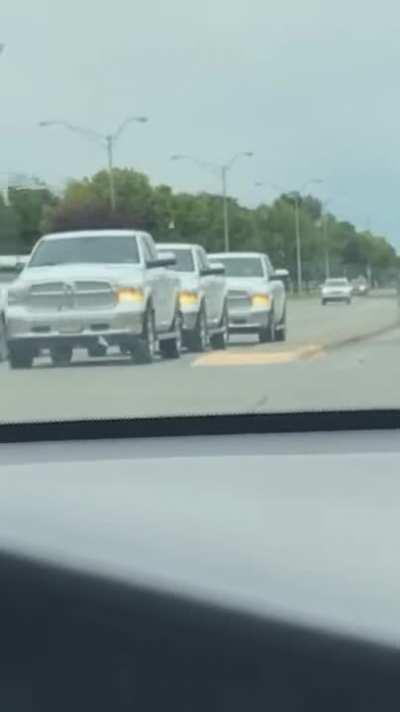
230 424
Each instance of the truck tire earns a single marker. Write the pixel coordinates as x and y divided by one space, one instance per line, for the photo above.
268 334
197 340
172 348
19 357
61 355
220 340
97 351
145 348
3 340
281 331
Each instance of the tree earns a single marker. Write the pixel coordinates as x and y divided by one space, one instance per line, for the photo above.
86 203
29 207
10 242
198 218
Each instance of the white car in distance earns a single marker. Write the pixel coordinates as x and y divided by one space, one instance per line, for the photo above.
337 289
94 289
203 296
256 295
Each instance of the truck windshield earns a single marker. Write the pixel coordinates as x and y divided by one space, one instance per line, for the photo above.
107 249
242 266
336 283
184 259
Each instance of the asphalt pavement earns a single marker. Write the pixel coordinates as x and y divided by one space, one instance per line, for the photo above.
336 356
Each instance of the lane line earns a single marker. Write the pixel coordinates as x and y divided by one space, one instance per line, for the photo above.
248 358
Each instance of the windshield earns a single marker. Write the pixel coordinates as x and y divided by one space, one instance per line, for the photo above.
336 283
242 266
184 259
260 135
86 250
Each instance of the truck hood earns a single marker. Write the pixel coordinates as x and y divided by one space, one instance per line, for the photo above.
115 274
248 284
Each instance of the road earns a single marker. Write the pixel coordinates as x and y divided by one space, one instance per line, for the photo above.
336 356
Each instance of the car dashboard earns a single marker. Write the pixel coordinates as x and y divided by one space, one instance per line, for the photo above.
201 573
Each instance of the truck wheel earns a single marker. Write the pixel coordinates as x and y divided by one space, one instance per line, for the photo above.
281 331
61 355
268 334
145 348
19 357
3 341
97 350
172 348
219 341
197 340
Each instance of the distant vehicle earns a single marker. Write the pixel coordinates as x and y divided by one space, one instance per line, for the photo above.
203 296
360 286
336 290
94 289
256 295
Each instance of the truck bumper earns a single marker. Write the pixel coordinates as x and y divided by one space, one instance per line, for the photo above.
249 321
43 329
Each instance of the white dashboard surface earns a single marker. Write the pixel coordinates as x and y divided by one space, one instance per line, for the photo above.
301 527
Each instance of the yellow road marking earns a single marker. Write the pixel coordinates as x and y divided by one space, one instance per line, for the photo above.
257 358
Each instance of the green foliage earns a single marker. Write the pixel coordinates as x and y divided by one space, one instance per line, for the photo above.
198 218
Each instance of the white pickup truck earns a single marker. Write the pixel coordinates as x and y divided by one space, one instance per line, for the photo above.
94 289
256 295
203 298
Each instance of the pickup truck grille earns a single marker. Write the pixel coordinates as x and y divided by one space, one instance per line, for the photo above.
238 299
60 296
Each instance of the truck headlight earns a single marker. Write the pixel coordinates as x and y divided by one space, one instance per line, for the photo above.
126 295
188 298
261 301
16 295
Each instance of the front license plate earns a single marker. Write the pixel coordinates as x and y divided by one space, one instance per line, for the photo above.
70 327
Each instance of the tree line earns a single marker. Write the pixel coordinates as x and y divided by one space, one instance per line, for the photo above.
327 243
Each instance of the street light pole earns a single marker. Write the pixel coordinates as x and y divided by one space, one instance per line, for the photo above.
298 245
225 209
110 160
107 140
326 243
297 195
223 170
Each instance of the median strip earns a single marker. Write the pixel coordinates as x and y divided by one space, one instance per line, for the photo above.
251 358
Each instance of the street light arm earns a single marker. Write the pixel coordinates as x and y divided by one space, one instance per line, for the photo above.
129 120
312 181
207 165
86 133
241 154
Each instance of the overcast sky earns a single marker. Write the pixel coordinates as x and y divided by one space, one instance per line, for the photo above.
311 86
